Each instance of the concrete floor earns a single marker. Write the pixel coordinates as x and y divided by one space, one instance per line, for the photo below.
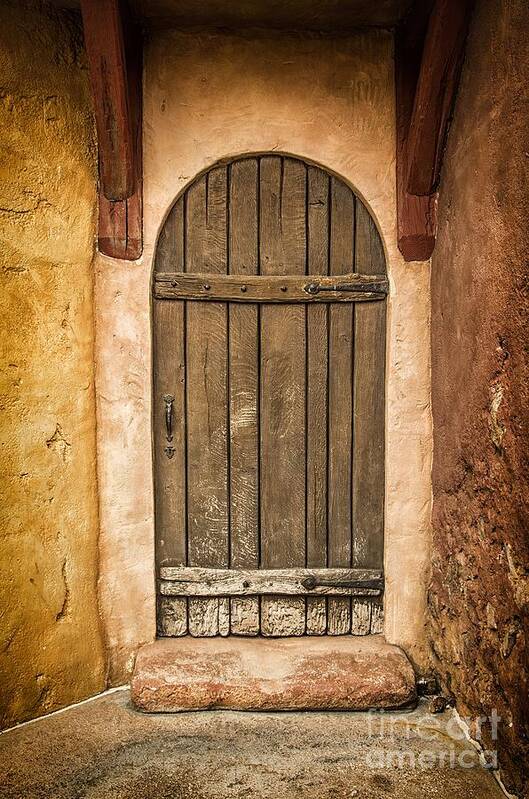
104 748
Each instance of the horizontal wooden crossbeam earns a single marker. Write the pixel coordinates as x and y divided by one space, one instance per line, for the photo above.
351 287
194 581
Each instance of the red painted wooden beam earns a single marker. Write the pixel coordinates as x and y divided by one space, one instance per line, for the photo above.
105 47
121 222
120 233
435 94
416 216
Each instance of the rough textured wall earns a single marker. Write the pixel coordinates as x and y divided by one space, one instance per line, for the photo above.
479 599
209 96
51 650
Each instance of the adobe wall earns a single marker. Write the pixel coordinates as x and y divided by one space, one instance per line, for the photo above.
479 596
209 96
51 651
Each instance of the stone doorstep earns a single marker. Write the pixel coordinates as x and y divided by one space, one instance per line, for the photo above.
328 673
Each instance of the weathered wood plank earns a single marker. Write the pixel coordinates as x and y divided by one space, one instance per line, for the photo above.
189 581
203 618
273 288
316 615
282 397
169 356
318 186
224 616
317 365
338 616
282 617
172 616
341 325
170 247
360 616
377 618
369 409
435 94
244 616
244 390
169 455
207 408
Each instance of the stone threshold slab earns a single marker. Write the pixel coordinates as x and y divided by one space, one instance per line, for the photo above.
342 673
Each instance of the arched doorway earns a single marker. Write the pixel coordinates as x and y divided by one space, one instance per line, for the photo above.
269 320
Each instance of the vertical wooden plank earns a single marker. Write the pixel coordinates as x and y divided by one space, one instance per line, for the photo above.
316 615
171 616
360 616
282 393
244 390
317 364
369 402
377 618
207 406
282 617
340 402
224 616
338 616
244 616
203 617
170 471
170 485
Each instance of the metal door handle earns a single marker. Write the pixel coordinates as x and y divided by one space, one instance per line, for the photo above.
169 399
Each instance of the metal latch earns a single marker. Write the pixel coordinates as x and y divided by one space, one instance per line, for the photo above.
312 582
316 288
168 401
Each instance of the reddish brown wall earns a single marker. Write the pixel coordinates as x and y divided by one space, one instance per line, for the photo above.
479 595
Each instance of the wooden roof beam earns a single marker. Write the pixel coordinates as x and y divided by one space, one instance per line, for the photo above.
436 90
105 47
416 216
114 49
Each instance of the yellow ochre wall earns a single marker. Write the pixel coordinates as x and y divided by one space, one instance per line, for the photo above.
51 648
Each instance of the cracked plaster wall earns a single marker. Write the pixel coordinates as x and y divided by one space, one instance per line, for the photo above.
51 651
479 596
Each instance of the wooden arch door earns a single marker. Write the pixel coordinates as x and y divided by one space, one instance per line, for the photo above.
269 349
